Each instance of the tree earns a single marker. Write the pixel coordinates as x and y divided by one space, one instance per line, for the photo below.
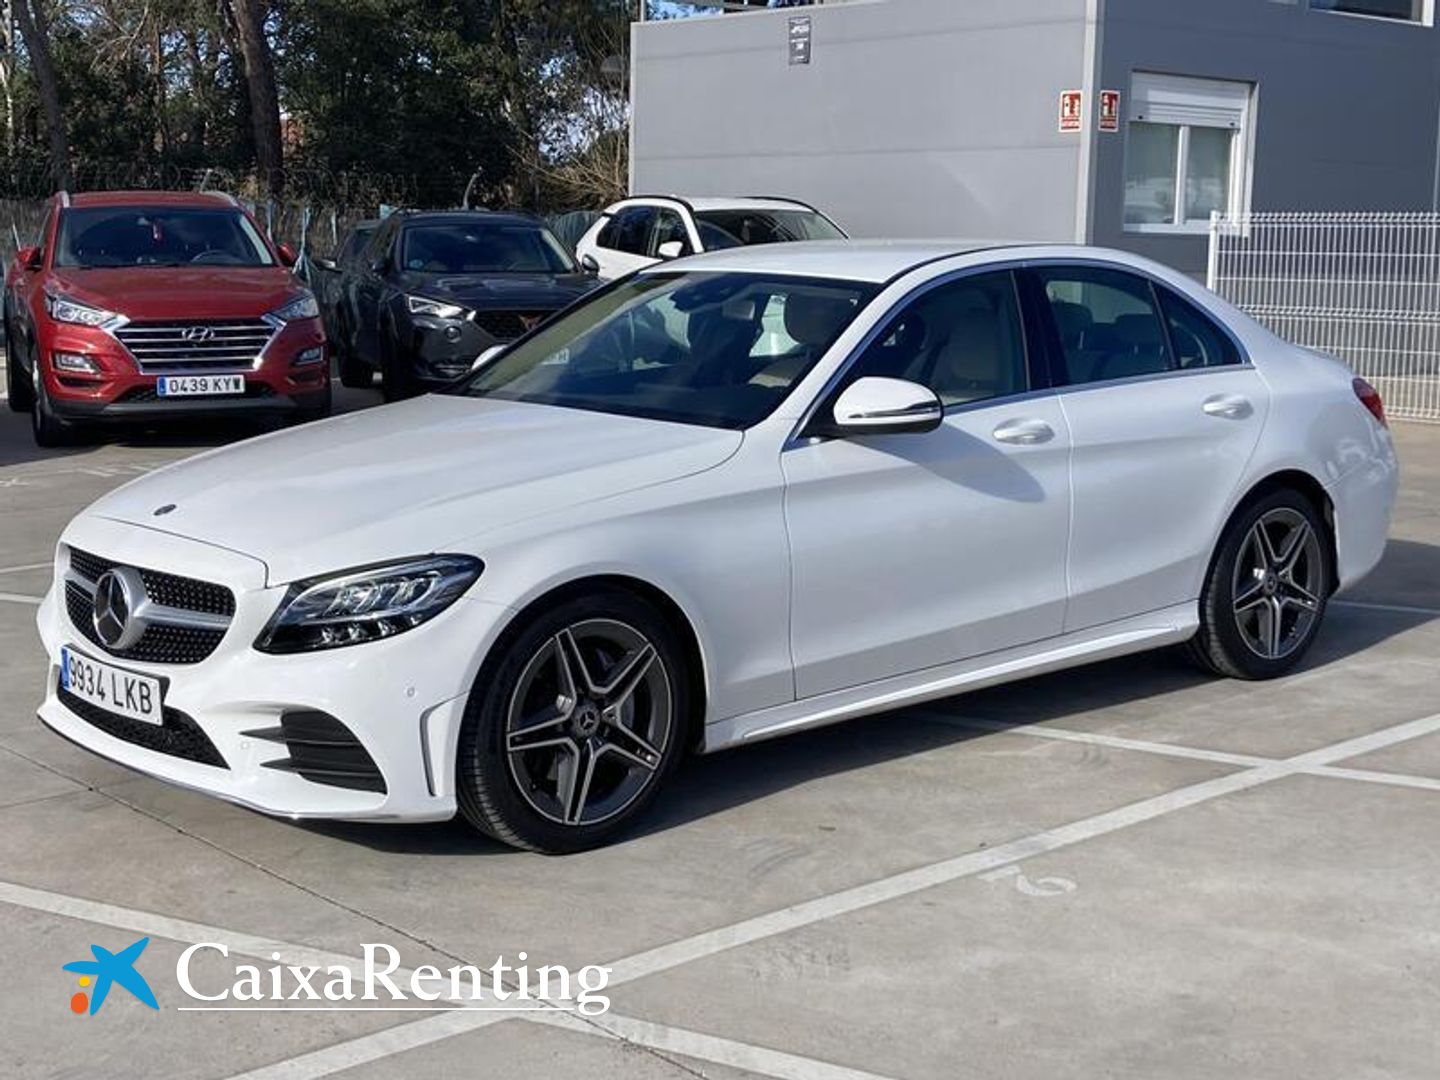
248 17
30 16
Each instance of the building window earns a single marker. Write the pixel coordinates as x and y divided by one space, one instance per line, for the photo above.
1404 10
1187 152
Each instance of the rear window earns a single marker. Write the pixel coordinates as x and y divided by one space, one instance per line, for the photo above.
139 236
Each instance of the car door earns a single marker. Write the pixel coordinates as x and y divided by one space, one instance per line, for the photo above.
366 284
623 243
1164 414
914 550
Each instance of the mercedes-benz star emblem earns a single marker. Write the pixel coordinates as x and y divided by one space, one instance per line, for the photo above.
197 334
119 598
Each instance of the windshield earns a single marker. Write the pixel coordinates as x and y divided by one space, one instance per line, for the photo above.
95 237
717 349
453 248
736 228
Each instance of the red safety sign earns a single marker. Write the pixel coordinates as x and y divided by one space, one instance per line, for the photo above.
1109 110
1071 102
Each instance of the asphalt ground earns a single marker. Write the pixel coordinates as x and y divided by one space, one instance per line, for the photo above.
1126 870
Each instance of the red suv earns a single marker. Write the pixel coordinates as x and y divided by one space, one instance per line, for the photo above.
141 305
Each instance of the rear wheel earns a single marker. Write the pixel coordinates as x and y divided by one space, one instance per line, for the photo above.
574 726
18 385
1262 603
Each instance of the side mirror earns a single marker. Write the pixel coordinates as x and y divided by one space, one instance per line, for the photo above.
287 254
326 264
880 406
589 263
485 357
671 249
29 258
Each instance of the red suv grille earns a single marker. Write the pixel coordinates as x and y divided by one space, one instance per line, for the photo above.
230 344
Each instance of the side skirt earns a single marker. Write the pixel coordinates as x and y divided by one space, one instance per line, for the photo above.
1167 626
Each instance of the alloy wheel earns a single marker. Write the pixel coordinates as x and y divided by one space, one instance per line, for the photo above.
589 722
1277 584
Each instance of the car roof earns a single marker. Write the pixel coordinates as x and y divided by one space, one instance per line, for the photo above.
855 260
880 261
463 217
207 199
701 203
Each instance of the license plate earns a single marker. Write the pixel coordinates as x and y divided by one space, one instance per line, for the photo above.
111 688
199 385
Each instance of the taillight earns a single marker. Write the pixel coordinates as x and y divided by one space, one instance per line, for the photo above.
1370 398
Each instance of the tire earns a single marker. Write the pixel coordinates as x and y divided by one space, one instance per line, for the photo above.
528 795
20 388
318 412
46 428
355 374
398 380
1266 591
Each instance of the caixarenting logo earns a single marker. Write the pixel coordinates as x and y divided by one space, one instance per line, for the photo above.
377 977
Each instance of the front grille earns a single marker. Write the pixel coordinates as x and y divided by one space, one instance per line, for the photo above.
508 325
179 737
323 751
149 393
163 642
197 344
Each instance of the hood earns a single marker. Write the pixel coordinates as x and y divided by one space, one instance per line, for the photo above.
180 292
412 478
543 292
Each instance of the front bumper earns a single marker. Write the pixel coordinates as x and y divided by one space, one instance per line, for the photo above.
403 698
119 391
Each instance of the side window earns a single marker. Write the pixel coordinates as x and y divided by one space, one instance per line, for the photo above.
378 244
1107 324
669 227
1197 341
964 339
628 230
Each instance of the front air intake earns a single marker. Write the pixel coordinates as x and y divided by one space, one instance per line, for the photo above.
322 750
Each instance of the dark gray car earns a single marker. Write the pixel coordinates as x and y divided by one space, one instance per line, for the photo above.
431 291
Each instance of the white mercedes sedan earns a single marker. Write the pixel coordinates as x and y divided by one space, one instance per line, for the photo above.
729 497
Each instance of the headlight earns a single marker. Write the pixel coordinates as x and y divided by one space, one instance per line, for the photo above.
423 305
63 309
303 306
366 605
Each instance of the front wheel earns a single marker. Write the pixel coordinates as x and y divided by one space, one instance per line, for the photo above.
18 384
398 381
572 728
47 429
1265 595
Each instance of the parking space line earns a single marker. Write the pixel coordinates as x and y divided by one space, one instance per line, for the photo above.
1398 609
1143 746
27 566
709 1048
16 598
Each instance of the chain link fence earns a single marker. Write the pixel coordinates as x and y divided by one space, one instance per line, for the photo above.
1362 287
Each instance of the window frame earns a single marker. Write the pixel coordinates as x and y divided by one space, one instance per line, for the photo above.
1425 19
1242 158
1037 363
1056 369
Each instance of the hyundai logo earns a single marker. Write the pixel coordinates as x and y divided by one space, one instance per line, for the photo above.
197 334
117 616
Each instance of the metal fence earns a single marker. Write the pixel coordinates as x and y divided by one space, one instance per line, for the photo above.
1362 287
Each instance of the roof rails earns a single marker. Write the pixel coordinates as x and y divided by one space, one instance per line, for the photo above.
63 196
221 195
668 198
783 198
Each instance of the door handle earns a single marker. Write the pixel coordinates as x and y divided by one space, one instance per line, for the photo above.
1024 432
1228 406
